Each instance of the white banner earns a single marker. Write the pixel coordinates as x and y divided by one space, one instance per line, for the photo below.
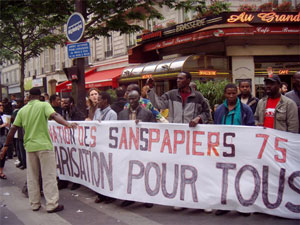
249 169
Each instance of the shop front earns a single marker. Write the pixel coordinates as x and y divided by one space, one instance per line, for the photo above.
102 80
164 72
234 45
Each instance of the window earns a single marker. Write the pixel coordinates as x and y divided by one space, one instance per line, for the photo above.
131 41
57 57
108 46
47 60
150 24
38 65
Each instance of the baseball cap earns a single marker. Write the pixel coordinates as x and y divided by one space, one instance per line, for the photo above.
273 77
35 91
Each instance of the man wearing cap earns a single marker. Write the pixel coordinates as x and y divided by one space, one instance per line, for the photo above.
275 110
39 150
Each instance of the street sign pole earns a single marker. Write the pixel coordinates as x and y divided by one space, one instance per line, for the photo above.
78 86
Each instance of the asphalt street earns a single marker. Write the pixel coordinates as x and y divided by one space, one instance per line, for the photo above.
80 209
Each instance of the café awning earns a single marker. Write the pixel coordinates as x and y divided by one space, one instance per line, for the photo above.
102 78
184 63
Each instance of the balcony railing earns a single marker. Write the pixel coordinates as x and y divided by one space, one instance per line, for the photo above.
108 53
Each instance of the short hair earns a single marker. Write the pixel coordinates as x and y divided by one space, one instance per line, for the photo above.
230 85
283 83
71 100
120 92
42 98
248 81
187 74
53 98
105 96
35 91
135 87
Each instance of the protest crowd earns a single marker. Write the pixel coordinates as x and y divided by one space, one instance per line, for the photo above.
24 123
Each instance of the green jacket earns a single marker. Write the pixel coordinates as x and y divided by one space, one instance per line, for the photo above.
286 114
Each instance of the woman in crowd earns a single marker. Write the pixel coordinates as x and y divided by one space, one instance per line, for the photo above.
93 95
3 125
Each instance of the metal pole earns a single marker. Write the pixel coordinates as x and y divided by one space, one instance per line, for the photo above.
78 86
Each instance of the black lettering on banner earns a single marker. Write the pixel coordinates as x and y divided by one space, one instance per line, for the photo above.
108 168
191 181
111 137
95 180
74 162
164 181
81 165
132 176
290 206
155 166
72 137
256 185
85 136
64 160
232 153
265 188
70 162
225 167
86 153
145 147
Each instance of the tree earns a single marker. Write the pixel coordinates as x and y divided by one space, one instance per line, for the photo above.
27 28
212 90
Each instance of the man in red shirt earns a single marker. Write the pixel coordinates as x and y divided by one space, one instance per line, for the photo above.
275 110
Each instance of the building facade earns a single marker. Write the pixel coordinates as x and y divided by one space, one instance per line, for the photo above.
109 55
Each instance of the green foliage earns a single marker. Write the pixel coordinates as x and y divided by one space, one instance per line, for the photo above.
213 91
120 15
112 94
27 28
214 9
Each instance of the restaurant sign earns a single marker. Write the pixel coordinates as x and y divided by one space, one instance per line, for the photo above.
262 18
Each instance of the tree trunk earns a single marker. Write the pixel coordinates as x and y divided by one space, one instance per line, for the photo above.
22 64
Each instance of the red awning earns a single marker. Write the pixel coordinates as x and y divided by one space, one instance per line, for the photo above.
103 78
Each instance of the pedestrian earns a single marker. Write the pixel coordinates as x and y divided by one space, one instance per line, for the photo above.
118 105
7 112
93 95
295 93
135 110
104 113
13 101
40 155
55 102
18 139
185 104
276 110
233 111
145 103
137 113
3 125
245 95
46 96
70 113
284 88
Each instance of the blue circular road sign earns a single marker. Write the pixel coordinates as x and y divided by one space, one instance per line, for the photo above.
75 27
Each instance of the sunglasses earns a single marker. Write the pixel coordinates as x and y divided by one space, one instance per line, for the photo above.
1 105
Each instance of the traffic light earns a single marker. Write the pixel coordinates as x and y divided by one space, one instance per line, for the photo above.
71 72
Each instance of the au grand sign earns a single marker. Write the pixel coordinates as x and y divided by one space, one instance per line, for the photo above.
265 17
230 17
